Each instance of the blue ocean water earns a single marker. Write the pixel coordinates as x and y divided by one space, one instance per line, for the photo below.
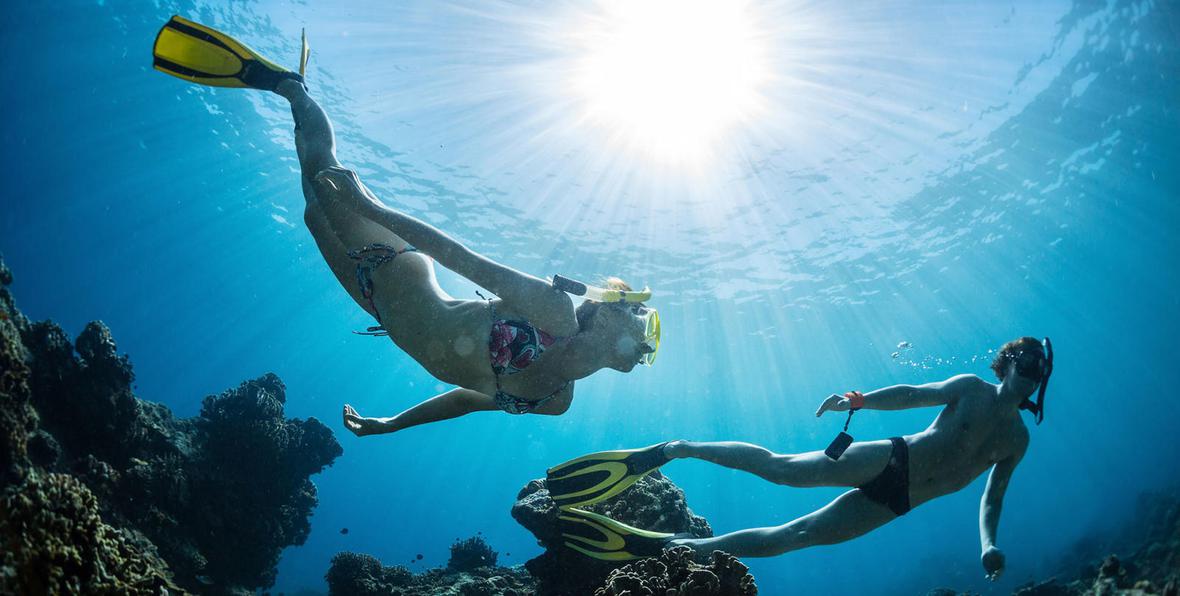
951 175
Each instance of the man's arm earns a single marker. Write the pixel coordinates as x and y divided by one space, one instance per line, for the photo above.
902 397
990 507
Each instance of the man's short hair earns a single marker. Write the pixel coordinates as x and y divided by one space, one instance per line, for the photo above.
1010 351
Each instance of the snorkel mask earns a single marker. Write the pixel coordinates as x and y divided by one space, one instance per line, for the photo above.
1038 366
651 335
650 316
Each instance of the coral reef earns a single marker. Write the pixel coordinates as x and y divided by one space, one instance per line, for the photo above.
675 572
1115 579
262 502
55 542
653 503
470 554
1150 565
209 501
355 574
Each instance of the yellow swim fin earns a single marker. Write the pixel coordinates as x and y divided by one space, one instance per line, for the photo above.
600 476
202 55
600 537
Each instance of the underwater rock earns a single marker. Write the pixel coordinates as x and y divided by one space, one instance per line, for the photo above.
1049 587
356 574
249 480
353 574
55 542
675 572
17 417
217 497
470 554
654 503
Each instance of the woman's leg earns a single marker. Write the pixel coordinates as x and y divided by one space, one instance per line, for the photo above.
335 229
335 254
859 464
315 143
851 515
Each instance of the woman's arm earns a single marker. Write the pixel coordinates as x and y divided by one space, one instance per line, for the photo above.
520 289
902 397
452 404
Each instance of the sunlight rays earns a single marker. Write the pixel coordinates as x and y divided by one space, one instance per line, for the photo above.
668 77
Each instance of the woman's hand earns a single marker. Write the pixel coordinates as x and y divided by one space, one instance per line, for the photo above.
993 562
834 403
361 426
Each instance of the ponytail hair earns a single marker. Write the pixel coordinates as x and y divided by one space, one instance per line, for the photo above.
588 308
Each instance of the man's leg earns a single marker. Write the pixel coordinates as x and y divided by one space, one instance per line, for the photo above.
852 514
859 464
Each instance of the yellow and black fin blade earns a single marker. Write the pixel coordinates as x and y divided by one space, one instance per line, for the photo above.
203 55
600 476
603 538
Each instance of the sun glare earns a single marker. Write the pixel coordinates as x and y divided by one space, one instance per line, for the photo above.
669 77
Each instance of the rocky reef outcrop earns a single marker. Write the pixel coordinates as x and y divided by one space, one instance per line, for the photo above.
471 571
471 553
1149 564
53 541
653 503
675 572
103 492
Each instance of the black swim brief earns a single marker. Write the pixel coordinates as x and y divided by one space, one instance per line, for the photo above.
891 487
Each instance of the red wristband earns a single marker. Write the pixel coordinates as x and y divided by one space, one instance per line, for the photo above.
856 399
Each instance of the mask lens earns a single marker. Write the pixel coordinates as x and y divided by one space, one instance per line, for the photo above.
1030 365
651 335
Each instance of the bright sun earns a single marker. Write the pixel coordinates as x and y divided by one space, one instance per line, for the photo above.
669 77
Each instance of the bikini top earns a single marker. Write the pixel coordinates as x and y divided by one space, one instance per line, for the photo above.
512 346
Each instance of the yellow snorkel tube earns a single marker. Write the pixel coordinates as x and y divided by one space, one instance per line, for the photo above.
598 294
651 317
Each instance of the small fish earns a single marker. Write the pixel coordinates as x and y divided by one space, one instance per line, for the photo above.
895 354
205 579
343 530
419 557
903 345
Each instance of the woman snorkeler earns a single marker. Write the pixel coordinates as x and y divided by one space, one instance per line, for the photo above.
520 353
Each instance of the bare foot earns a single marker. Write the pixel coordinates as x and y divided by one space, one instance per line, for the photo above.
290 89
362 426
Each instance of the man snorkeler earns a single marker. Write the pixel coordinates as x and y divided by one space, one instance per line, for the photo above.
978 428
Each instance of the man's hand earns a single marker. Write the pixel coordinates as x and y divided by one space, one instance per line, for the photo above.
834 403
993 562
